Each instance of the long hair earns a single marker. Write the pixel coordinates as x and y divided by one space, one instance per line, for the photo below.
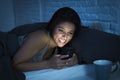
64 14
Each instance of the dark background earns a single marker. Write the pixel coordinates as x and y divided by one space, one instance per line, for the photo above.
99 14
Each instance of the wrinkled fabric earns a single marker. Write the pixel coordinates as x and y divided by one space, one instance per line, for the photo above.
78 72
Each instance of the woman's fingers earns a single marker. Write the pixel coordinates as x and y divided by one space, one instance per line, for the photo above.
64 56
57 55
66 62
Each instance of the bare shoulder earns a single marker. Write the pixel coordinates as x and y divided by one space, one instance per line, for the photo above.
33 43
38 36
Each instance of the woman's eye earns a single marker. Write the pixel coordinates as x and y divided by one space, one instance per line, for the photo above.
71 33
60 30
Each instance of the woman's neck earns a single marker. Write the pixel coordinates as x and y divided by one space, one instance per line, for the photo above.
52 43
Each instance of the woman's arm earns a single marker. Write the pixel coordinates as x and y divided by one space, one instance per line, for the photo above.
31 46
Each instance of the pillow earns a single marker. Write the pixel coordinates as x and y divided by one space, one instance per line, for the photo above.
27 28
93 44
7 72
12 44
21 39
1 49
8 43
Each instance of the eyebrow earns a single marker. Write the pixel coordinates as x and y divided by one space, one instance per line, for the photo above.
60 27
63 28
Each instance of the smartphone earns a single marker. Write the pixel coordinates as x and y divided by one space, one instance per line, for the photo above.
66 51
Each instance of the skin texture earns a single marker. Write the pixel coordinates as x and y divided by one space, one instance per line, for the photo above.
36 41
63 33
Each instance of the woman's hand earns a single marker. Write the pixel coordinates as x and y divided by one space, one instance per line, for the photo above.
57 62
72 61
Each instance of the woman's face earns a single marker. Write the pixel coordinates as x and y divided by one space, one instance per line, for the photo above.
63 33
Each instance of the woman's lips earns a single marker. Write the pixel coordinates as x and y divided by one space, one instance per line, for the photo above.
62 41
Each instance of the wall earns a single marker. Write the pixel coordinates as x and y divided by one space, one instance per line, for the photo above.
118 17
26 11
7 20
99 14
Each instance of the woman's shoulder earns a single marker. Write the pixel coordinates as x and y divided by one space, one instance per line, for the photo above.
39 33
38 36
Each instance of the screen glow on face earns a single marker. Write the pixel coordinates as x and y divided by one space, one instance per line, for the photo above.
63 33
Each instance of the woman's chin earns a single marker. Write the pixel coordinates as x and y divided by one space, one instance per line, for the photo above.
61 45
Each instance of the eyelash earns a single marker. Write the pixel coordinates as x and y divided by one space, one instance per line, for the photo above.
63 31
60 30
71 33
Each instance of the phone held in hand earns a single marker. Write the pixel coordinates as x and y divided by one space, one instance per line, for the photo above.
67 50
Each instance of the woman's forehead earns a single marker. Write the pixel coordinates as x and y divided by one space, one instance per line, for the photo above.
66 25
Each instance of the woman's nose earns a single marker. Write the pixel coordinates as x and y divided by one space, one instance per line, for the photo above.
64 35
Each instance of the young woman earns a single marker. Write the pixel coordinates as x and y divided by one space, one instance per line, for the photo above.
36 53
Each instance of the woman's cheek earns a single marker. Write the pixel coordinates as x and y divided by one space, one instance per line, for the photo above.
70 38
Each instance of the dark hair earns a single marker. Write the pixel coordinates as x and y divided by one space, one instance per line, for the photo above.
64 14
